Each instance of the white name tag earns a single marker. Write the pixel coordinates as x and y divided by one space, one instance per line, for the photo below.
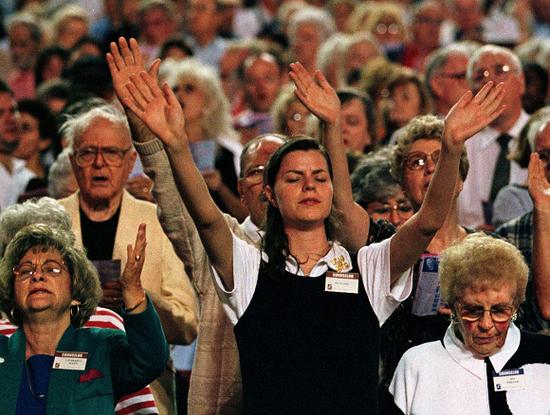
342 282
509 380
70 360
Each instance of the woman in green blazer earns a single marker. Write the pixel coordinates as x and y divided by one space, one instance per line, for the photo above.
52 365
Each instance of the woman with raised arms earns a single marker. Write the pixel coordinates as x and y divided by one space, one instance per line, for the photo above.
306 311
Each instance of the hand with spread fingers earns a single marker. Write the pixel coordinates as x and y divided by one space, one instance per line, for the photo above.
130 281
125 60
315 93
157 108
471 114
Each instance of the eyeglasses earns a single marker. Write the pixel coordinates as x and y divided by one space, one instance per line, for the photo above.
26 270
544 155
500 313
112 156
500 73
392 28
418 159
255 175
459 76
402 209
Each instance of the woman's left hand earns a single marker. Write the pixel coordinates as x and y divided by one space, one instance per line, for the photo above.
315 93
471 114
132 290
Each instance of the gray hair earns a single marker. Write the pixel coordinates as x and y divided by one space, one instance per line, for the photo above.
216 119
371 180
492 50
45 210
74 126
330 52
30 22
59 175
438 58
321 18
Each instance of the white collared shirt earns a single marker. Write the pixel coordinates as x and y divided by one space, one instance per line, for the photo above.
373 262
432 379
483 150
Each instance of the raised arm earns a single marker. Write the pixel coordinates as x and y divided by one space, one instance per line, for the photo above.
468 116
539 189
162 114
321 99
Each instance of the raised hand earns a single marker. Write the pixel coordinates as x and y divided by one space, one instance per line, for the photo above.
158 108
130 281
539 188
315 93
471 114
125 60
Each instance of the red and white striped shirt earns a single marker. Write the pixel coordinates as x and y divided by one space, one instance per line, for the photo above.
141 402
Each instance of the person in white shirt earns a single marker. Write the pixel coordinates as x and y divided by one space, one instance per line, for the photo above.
295 317
489 170
484 365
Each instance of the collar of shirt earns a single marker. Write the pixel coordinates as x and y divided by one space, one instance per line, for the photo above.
458 352
491 134
324 264
253 232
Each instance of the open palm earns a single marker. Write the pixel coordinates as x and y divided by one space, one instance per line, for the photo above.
315 93
473 113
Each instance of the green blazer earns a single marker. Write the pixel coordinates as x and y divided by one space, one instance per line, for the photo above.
118 364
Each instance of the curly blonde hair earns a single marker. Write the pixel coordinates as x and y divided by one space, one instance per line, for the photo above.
480 261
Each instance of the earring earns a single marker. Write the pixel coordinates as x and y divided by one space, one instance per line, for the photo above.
514 316
453 317
12 314
75 310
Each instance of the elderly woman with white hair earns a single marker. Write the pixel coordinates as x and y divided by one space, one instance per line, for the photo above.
215 144
484 364
308 28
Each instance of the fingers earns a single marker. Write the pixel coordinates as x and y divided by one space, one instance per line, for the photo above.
117 58
154 69
465 99
125 52
321 80
136 52
170 96
480 96
494 98
138 103
152 85
300 76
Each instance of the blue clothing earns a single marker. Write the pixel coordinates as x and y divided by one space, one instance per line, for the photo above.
33 389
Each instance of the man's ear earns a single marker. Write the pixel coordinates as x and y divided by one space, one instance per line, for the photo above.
270 196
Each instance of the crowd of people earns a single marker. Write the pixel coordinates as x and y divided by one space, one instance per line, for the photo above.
343 206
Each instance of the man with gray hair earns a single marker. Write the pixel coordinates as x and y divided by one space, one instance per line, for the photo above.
104 218
490 168
446 75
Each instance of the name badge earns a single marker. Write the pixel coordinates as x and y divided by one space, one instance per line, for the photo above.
70 360
509 380
342 282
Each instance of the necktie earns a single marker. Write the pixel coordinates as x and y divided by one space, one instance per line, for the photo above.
501 175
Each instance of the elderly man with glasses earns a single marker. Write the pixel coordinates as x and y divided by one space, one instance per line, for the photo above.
488 150
104 218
